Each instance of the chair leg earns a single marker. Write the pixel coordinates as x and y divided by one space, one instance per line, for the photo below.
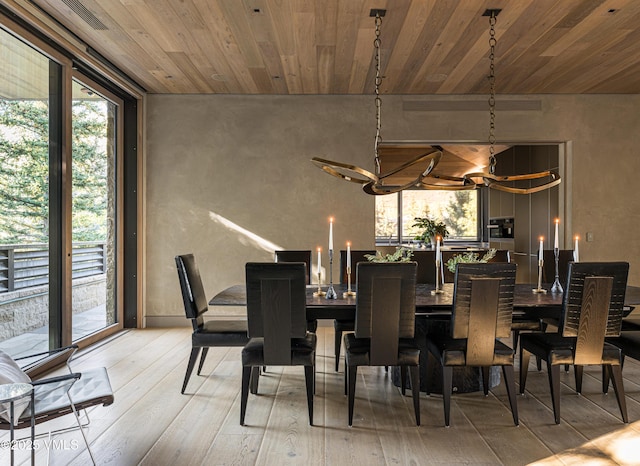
524 368
351 391
403 379
543 329
516 335
554 385
346 379
618 386
429 367
577 372
337 343
202 358
246 377
606 374
255 377
447 385
192 362
84 435
510 382
605 379
485 379
309 380
414 378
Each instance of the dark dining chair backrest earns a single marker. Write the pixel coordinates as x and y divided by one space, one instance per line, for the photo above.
193 295
385 307
291 255
502 255
357 255
276 307
482 307
426 260
593 305
549 266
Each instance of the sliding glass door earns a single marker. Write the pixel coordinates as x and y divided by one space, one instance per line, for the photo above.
94 208
24 196
60 200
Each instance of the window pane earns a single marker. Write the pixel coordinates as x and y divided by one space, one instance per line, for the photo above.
24 197
93 207
457 209
387 219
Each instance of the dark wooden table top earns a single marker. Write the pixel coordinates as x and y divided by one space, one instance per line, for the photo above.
524 298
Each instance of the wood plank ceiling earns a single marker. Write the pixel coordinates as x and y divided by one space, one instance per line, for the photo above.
326 46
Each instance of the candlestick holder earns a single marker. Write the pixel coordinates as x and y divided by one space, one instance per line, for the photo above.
331 293
438 290
539 289
556 287
319 292
348 293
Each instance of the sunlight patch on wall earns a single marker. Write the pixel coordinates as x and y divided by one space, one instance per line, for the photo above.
245 236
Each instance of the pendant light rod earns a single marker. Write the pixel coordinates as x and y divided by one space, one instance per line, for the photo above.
377 183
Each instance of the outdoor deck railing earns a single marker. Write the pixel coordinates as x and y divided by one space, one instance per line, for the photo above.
27 265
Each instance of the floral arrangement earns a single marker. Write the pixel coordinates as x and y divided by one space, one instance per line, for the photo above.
401 255
469 257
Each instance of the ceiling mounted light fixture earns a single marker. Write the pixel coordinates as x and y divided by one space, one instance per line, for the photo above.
377 183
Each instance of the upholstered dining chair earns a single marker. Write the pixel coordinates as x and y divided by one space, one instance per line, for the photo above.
206 333
384 326
481 315
592 310
276 312
347 325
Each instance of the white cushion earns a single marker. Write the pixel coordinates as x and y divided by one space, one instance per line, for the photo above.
10 372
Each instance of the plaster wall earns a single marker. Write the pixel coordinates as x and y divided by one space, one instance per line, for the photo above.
229 178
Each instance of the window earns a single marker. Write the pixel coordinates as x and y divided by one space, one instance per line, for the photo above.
395 214
25 115
65 203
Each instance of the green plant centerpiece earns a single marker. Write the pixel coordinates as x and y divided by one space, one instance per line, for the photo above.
430 229
469 257
401 255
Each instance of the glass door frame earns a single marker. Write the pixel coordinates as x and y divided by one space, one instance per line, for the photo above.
78 76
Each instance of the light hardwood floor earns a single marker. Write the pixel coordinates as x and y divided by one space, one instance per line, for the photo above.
151 423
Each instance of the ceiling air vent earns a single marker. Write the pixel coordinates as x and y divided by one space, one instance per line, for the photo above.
88 17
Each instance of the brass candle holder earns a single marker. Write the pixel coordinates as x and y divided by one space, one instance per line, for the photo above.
331 293
319 292
348 293
556 287
438 290
539 289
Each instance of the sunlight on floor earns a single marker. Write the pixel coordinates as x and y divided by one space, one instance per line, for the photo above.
620 447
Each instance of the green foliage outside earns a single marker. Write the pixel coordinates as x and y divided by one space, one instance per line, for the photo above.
456 209
24 171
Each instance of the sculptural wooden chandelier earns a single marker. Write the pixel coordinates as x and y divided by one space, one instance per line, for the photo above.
377 183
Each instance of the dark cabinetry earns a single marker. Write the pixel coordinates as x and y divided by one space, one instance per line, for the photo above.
532 214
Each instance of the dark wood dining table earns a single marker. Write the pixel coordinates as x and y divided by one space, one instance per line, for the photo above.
525 300
432 314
